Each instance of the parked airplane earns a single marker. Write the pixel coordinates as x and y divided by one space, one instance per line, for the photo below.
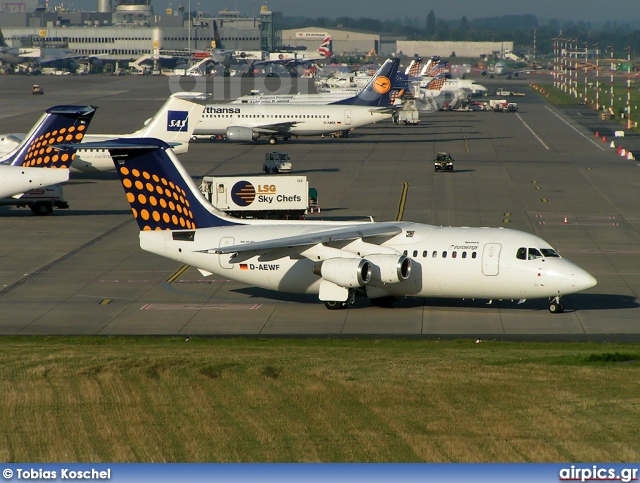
31 59
30 165
333 259
319 98
288 61
9 142
170 123
251 121
500 69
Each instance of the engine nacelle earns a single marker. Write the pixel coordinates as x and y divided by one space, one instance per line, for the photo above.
484 73
516 74
241 133
389 268
346 272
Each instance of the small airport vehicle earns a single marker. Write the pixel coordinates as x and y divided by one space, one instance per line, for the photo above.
261 197
41 201
276 163
497 105
409 116
503 92
443 162
36 89
511 107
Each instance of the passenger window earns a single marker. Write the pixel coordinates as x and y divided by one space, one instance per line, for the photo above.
434 254
474 254
424 254
405 253
415 253
454 254
521 254
444 254
464 254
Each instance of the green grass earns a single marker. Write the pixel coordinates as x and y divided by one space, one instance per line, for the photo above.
234 400
558 97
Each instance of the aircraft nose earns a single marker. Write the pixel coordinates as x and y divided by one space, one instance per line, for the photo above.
582 280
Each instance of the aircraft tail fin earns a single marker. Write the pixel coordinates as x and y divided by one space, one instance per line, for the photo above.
414 68
59 124
161 193
175 121
326 47
3 42
216 36
378 91
437 82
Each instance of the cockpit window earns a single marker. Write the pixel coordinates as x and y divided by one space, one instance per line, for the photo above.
534 253
549 252
521 254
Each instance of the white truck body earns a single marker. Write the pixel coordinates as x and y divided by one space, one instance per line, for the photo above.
41 201
276 163
284 197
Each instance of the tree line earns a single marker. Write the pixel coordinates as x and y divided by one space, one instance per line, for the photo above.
520 29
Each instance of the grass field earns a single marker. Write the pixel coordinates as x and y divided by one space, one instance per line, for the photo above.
231 400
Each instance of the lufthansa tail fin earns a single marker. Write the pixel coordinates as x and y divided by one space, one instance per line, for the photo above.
377 92
436 83
59 125
175 121
161 193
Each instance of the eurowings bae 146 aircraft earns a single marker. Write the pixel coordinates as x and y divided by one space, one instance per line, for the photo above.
333 259
248 122
31 165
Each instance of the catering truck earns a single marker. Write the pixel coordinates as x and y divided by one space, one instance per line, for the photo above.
41 201
264 197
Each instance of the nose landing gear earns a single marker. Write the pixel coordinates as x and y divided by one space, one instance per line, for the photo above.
556 307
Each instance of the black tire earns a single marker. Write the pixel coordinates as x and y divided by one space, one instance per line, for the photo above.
334 305
212 138
556 308
41 209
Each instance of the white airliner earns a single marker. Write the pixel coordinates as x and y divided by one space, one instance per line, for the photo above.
173 123
335 260
335 95
31 164
9 142
248 122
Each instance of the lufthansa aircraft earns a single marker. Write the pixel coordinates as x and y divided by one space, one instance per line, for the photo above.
35 163
333 259
248 122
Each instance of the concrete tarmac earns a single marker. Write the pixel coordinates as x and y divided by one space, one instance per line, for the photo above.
542 170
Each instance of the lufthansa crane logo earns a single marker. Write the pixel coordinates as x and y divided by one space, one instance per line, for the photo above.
381 85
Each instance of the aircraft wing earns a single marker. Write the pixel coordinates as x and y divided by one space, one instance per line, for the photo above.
276 128
351 232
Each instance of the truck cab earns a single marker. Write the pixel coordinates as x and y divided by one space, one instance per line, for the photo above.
276 163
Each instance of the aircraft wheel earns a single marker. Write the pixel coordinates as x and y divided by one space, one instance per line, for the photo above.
556 307
334 305
273 140
212 138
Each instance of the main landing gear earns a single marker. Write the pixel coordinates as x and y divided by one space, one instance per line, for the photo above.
338 304
556 307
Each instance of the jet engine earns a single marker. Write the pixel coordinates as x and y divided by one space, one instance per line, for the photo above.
345 272
516 74
389 268
240 133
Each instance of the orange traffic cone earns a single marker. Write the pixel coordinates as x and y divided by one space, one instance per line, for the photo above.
565 220
604 139
597 135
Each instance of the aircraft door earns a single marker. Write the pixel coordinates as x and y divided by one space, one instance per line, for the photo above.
491 259
224 259
347 117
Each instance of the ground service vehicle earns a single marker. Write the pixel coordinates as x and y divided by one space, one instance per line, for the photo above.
40 200
36 89
443 162
262 197
511 107
409 116
276 163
